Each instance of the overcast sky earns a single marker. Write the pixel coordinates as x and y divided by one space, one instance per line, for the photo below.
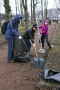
51 4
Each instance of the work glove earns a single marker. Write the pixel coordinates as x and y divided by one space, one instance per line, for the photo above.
34 44
20 37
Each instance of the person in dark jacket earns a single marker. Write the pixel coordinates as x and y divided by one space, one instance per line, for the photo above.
12 31
29 35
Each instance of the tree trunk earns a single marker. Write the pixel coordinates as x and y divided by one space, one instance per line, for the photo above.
31 13
7 9
34 18
45 9
25 13
42 9
21 9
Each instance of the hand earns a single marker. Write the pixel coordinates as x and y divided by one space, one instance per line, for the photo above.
34 44
20 37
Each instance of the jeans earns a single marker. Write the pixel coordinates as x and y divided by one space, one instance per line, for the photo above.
45 37
27 43
10 48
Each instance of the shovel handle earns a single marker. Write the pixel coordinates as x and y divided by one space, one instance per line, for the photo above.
36 51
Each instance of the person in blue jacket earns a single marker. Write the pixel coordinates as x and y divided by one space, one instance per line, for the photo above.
12 31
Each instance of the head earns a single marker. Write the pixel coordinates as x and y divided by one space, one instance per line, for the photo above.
35 27
46 23
18 17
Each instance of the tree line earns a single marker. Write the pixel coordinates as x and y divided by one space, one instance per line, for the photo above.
22 8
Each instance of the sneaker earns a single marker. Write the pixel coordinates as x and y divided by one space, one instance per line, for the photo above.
41 50
11 61
52 46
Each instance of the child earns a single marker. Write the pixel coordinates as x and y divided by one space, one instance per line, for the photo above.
44 33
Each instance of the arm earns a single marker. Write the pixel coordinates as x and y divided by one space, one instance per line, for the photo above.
13 28
44 30
40 26
15 32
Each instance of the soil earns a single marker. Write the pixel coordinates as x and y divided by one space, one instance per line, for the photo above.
22 76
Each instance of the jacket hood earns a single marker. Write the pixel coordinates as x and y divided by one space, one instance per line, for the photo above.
18 16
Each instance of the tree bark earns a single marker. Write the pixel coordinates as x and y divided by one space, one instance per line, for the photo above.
25 13
7 9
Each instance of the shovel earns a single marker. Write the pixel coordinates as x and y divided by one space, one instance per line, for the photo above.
38 62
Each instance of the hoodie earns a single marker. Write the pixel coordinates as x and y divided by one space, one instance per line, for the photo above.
12 28
44 28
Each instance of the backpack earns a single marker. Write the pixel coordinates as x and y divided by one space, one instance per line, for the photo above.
4 27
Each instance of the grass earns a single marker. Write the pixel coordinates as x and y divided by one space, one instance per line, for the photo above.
53 61
2 39
56 37
56 40
21 29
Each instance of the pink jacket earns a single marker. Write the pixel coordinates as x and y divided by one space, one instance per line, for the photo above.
44 29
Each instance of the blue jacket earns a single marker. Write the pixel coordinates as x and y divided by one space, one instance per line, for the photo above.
12 28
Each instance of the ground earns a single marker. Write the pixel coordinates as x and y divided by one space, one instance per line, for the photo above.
22 76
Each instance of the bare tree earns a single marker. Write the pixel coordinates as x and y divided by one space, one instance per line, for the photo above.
31 13
35 2
42 9
16 6
7 9
57 4
21 9
45 8
24 3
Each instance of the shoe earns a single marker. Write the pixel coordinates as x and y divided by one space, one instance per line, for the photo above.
51 48
11 61
41 50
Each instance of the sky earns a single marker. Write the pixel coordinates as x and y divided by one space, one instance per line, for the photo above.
51 4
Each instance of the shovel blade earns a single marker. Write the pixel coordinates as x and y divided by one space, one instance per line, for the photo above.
38 63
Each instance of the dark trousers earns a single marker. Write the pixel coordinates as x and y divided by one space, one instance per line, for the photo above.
43 38
10 48
28 43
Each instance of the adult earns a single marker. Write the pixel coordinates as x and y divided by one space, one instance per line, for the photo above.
12 31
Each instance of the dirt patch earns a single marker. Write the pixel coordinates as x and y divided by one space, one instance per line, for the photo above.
22 76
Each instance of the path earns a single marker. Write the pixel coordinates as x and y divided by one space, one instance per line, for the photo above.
21 76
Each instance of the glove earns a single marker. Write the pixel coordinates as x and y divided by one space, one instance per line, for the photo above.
20 37
34 44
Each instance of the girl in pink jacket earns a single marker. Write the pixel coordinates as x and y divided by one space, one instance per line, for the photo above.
44 33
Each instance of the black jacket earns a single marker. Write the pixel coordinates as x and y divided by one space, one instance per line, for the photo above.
29 34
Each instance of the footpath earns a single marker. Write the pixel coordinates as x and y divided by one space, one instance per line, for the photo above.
23 76
52 63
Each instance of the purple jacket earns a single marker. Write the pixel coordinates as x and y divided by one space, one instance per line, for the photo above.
44 29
